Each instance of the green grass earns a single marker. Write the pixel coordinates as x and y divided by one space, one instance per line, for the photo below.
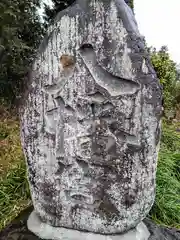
14 191
166 210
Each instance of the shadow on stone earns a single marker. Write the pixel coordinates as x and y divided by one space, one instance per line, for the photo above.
17 230
161 233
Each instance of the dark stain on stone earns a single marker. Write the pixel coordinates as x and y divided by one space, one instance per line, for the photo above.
86 46
39 152
79 197
59 101
152 181
32 175
75 93
61 168
83 164
107 50
36 113
52 209
108 209
108 170
49 209
74 210
132 148
129 199
47 190
93 109
157 135
35 134
144 151
50 136
103 91
106 116
114 126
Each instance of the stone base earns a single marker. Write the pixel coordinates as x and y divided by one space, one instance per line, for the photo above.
17 229
46 231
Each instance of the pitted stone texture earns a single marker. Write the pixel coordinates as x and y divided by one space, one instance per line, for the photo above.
91 121
45 231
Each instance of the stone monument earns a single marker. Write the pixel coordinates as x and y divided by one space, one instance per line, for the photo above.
90 126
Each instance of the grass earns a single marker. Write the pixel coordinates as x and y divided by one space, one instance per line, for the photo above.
10 146
14 191
166 210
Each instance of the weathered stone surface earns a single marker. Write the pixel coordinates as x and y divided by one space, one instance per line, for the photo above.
17 230
45 231
91 121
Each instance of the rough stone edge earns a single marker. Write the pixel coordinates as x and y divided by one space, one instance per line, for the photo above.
46 231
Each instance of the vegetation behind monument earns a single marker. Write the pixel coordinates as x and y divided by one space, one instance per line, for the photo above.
21 32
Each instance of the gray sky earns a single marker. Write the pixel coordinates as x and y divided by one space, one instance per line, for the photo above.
158 21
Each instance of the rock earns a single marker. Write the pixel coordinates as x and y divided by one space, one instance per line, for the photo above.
17 230
45 231
90 121
161 233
